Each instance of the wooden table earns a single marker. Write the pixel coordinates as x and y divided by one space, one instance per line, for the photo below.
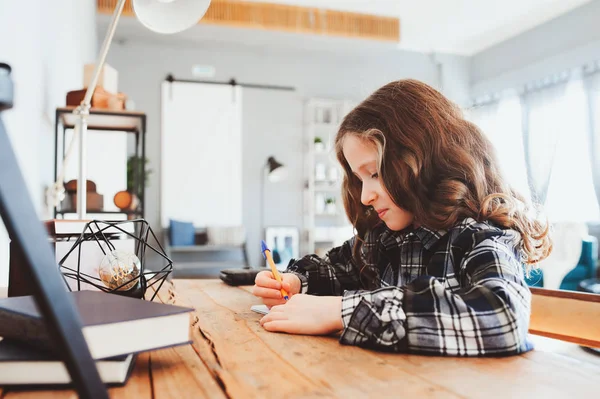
233 357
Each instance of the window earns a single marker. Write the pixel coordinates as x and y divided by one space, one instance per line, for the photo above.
571 195
501 123
557 126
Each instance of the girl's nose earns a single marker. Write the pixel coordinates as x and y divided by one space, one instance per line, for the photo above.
367 196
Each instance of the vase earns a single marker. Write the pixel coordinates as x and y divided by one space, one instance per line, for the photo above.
126 201
320 172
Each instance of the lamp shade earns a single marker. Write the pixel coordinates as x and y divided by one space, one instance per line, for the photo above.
276 171
169 16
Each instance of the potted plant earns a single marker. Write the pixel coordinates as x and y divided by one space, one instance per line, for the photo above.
319 145
134 164
330 205
128 199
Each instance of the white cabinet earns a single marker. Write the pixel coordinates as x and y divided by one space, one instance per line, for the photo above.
326 224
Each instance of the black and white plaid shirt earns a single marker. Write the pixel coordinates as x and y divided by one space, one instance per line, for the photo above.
459 292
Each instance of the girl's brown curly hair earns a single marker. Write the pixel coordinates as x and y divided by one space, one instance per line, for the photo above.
436 165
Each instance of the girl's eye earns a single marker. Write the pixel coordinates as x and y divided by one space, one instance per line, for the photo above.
375 176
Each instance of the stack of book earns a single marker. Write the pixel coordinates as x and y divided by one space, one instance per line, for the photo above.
115 328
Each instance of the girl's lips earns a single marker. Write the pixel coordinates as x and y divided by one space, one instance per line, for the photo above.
381 213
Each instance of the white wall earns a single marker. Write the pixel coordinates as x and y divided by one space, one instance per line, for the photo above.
142 66
563 43
46 44
455 77
272 126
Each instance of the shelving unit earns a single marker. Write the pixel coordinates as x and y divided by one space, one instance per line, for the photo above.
204 259
325 221
128 122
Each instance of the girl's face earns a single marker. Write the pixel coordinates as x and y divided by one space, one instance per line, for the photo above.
362 157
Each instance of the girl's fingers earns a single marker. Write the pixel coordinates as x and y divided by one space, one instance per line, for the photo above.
277 308
277 326
272 316
266 279
273 302
266 292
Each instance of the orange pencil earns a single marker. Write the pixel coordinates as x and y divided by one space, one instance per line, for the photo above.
267 254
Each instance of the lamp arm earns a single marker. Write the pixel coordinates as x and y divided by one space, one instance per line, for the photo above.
103 52
83 110
57 192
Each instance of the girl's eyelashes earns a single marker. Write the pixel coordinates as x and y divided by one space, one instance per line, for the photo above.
373 176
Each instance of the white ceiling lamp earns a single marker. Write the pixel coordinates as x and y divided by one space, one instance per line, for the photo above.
169 16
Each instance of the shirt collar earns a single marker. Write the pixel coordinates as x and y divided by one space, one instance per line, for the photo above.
428 237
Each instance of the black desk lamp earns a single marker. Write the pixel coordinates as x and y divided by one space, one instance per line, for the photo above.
274 171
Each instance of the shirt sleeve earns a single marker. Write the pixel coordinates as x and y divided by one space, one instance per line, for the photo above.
488 314
330 275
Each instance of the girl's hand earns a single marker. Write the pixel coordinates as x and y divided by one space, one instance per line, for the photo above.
306 314
267 288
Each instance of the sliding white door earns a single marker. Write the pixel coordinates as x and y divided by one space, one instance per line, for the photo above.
201 155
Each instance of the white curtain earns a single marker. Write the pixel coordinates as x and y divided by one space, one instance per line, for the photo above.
501 122
543 124
559 128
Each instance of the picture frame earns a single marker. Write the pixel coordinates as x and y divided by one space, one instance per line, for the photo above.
284 243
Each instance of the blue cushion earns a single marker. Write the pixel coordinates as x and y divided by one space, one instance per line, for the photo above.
536 278
586 266
181 233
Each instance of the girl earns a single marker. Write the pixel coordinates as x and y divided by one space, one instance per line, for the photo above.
436 265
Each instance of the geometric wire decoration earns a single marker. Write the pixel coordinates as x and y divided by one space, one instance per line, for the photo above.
119 272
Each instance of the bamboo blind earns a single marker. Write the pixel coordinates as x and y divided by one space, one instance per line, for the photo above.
279 17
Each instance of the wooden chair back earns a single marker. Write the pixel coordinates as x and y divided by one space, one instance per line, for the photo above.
566 315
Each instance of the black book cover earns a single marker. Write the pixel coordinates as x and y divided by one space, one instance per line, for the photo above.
19 362
21 320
